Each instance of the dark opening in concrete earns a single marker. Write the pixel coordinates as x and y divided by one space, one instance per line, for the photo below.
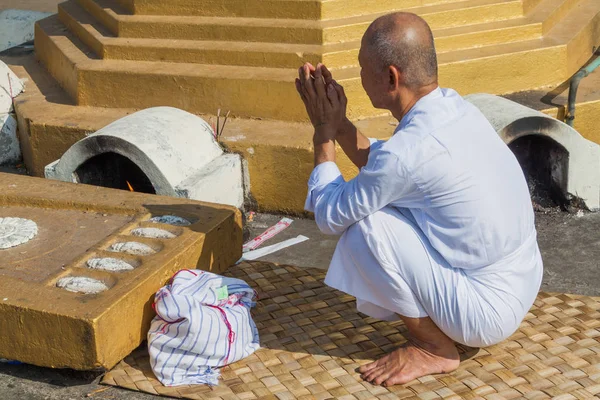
545 163
113 170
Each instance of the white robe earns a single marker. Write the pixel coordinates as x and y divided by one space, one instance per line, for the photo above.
439 223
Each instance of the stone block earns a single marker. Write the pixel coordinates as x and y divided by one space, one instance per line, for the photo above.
78 294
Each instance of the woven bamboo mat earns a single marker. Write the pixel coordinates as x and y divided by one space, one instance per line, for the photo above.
314 339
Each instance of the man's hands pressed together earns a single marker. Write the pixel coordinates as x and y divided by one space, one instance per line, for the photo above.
325 103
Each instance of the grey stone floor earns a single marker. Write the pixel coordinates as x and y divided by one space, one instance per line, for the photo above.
570 247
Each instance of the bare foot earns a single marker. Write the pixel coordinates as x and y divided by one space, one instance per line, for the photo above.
413 360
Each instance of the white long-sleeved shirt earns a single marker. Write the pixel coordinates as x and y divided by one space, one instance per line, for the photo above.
448 166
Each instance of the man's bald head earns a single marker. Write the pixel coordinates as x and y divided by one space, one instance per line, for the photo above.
403 40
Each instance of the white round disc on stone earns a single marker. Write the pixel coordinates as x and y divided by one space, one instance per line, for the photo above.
133 248
81 284
16 231
171 220
155 233
109 264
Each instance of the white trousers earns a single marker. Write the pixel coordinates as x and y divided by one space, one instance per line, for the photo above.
388 264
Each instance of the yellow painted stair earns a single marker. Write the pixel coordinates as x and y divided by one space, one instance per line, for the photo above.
242 55
290 9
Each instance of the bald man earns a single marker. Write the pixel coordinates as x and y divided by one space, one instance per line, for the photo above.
437 229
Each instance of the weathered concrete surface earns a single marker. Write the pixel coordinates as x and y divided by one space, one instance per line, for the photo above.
48 326
218 182
33 5
570 247
16 26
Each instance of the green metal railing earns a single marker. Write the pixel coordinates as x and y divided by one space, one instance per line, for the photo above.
575 80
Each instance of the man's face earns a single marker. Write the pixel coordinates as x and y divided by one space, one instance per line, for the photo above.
373 80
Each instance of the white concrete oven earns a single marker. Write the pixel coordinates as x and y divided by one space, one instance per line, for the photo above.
159 150
549 150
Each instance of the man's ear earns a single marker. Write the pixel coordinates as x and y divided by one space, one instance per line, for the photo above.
395 75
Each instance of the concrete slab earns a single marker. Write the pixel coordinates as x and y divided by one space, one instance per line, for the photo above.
16 26
46 325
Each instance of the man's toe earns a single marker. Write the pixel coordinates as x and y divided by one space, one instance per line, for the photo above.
368 367
373 374
396 379
383 377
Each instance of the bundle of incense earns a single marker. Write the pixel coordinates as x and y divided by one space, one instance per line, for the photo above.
268 234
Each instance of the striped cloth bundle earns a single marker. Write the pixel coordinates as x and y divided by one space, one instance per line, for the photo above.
202 322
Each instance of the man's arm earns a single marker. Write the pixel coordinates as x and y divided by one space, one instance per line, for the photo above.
354 143
324 148
338 204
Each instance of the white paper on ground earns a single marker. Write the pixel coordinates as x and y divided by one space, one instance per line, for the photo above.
254 254
266 235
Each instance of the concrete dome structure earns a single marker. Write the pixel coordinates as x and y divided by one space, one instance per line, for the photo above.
572 162
161 150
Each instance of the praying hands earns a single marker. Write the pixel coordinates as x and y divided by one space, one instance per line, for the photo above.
324 99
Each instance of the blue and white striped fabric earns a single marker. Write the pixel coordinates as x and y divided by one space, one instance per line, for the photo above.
203 322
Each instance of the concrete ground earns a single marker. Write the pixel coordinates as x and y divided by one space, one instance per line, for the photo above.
570 245
33 5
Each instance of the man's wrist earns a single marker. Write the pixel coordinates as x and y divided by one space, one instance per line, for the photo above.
325 131
345 127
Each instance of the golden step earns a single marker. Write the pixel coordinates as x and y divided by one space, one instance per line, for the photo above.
269 92
337 55
289 9
538 21
119 23
580 32
265 92
277 55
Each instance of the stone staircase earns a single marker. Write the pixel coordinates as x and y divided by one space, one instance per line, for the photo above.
242 55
